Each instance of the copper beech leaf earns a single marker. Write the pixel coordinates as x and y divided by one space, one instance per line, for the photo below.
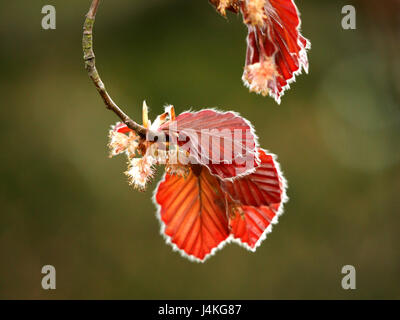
192 212
276 50
224 142
282 42
200 213
258 199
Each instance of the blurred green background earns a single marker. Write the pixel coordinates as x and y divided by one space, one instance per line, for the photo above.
65 203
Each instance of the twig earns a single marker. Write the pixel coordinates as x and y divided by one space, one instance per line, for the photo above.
90 65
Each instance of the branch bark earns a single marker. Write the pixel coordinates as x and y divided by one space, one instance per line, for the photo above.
90 65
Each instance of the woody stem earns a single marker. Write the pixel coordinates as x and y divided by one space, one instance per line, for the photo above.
90 65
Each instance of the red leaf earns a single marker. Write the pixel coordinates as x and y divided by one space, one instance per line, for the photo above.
121 128
224 142
280 41
257 201
192 213
194 210
251 227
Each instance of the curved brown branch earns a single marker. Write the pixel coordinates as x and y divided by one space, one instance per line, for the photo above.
90 65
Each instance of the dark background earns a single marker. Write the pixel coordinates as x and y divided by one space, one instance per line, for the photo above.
64 202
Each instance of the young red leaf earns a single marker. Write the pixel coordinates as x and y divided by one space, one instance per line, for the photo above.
200 213
224 142
121 128
200 209
256 201
276 51
192 213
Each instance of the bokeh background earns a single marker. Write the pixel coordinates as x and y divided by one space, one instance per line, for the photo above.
64 202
